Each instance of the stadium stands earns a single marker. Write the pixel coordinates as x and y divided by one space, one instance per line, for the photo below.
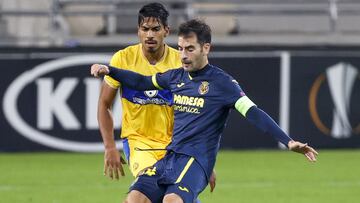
57 22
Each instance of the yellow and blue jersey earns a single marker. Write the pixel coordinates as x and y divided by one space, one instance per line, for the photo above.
147 115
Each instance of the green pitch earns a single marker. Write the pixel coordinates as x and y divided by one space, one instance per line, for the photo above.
243 176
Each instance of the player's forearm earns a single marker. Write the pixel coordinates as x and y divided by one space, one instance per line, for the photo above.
266 124
131 79
106 126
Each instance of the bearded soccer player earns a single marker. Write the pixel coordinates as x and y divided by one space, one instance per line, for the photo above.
203 97
147 120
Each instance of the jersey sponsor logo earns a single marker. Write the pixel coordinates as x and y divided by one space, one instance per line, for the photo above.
180 85
189 101
341 79
159 97
150 101
183 189
151 93
203 88
188 104
63 108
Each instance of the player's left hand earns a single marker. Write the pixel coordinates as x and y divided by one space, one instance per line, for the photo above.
99 70
212 181
302 148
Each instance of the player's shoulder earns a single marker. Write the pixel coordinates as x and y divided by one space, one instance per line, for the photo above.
172 58
222 77
173 51
175 71
219 73
122 58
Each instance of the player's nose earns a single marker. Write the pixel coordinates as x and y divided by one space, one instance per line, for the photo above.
183 55
150 34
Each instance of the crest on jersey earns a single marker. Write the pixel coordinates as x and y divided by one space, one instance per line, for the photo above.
151 93
136 165
204 88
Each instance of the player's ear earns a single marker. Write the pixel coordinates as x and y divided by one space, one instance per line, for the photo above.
206 48
167 30
138 30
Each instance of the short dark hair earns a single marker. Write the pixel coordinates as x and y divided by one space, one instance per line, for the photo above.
199 28
155 10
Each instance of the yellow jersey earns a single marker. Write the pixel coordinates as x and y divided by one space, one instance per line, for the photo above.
147 115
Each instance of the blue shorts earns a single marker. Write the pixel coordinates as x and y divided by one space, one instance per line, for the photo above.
175 173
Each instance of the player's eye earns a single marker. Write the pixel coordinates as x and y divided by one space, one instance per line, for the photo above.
180 48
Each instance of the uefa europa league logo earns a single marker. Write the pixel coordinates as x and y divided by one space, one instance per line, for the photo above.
340 79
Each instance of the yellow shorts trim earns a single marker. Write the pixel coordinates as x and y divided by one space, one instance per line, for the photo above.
187 166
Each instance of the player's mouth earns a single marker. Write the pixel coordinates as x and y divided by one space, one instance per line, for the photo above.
150 42
186 63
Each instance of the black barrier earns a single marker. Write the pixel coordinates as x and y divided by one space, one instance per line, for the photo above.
49 99
259 78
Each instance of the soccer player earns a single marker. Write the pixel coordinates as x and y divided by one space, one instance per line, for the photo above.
203 97
147 120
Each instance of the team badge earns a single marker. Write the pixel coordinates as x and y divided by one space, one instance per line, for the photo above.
204 88
136 165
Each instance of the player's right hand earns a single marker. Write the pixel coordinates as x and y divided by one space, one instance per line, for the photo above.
99 70
113 164
309 152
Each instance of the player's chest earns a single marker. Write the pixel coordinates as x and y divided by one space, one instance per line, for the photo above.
194 97
144 68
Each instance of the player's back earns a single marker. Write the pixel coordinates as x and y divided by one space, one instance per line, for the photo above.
147 115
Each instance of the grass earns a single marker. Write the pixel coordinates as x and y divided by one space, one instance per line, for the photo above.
243 176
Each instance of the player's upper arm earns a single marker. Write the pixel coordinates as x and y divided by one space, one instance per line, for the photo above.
116 61
107 95
162 80
234 96
243 104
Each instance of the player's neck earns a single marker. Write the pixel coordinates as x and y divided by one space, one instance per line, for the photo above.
154 57
204 63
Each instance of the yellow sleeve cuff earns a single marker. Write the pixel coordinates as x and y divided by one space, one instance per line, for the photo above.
243 105
111 82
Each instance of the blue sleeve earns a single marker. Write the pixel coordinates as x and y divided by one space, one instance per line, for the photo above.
131 79
162 80
231 91
266 124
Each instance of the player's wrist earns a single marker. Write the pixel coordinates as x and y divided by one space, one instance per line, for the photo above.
290 143
110 147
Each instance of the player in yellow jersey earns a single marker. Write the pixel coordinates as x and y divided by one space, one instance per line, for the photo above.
147 120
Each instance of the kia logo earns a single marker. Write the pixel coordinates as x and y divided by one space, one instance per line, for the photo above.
52 102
